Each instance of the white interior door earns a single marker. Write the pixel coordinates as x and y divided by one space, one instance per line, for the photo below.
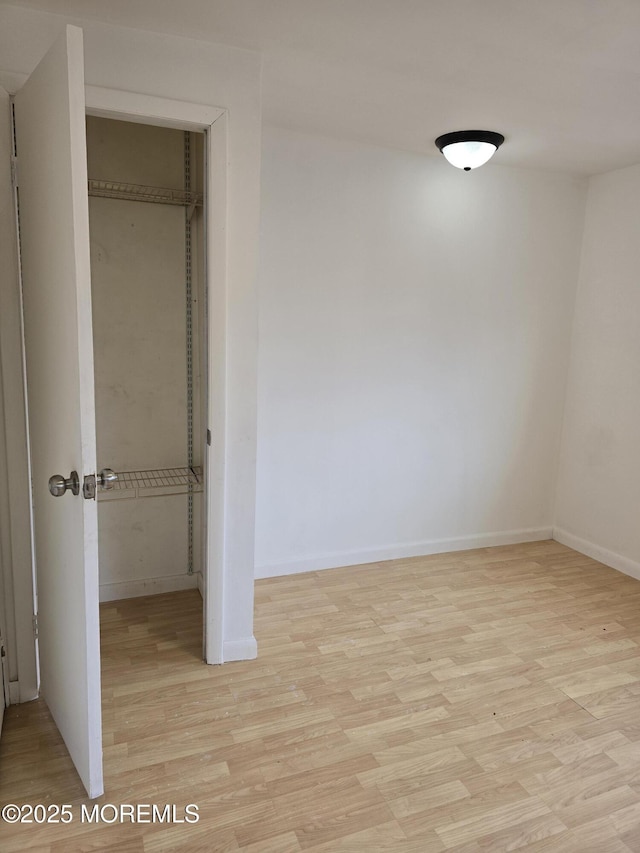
54 227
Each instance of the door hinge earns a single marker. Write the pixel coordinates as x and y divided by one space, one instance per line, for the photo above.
209 437
35 626
14 172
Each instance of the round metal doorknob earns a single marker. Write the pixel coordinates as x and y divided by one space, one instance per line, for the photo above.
58 485
106 478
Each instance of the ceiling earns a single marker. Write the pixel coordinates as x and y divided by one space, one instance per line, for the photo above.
559 78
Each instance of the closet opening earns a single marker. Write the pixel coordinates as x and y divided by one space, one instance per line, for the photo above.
148 283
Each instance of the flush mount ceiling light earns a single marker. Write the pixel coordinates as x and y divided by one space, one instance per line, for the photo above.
468 149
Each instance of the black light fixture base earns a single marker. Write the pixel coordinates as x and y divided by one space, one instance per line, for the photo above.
470 136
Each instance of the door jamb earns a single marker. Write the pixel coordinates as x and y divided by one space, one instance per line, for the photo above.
147 109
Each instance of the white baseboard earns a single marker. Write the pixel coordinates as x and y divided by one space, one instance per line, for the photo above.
14 693
596 552
397 552
147 586
243 649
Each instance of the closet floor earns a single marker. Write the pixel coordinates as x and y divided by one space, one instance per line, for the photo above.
484 700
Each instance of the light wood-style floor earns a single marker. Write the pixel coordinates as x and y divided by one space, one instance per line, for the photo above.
487 700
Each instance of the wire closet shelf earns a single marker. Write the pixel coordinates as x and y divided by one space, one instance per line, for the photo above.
149 482
138 192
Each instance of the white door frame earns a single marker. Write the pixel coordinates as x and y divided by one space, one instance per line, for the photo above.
147 109
4 660
15 493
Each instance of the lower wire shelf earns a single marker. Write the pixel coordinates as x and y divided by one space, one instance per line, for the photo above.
153 482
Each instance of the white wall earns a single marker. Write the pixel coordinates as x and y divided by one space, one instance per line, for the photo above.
414 338
220 76
598 503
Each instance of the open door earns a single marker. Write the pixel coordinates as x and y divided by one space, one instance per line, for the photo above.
54 233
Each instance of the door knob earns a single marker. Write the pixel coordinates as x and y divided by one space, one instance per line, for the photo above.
58 485
106 478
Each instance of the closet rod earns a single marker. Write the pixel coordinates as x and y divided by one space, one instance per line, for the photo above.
137 192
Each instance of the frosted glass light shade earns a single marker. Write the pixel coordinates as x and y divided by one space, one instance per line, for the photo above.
469 155
468 149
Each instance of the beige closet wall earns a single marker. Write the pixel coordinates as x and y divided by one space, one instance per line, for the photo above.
140 343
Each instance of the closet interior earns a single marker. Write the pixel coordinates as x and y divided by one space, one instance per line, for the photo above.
146 215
